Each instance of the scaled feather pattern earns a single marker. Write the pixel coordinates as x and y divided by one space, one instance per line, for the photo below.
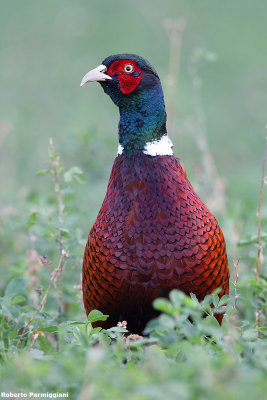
153 233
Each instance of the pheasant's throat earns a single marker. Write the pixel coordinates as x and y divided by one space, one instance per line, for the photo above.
143 124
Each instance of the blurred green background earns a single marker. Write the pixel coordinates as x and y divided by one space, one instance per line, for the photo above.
46 48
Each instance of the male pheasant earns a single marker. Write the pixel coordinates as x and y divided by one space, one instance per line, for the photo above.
152 233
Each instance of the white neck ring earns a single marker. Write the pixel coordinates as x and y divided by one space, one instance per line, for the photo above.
161 147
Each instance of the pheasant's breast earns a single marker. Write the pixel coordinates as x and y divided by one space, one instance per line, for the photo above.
152 234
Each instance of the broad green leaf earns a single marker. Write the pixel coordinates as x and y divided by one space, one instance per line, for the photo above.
250 335
212 321
50 329
96 315
76 174
44 171
45 345
176 297
116 329
32 219
224 299
17 299
231 311
163 305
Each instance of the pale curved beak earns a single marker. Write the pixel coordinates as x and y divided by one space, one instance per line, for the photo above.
97 74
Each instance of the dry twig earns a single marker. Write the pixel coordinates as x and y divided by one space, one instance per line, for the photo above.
64 256
174 28
213 186
259 256
236 280
55 165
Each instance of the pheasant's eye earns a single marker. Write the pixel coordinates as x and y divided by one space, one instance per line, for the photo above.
128 68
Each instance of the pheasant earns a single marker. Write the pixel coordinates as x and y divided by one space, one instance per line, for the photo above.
152 233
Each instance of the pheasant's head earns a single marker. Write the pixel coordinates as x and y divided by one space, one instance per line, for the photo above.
134 86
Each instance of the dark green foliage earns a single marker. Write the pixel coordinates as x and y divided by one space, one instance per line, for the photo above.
182 355
179 357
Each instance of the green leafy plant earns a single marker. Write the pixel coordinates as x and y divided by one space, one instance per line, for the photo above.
46 343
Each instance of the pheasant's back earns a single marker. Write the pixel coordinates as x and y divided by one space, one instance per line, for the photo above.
152 234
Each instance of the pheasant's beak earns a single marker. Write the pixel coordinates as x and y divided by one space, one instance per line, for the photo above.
97 74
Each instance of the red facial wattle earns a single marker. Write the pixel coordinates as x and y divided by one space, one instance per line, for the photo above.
127 81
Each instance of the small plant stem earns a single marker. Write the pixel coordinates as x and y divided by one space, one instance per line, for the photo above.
201 131
55 164
259 256
174 29
63 257
236 280
213 185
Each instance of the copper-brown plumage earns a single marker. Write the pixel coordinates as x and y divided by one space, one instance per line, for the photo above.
153 233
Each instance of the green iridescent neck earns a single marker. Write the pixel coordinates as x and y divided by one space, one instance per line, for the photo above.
143 119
